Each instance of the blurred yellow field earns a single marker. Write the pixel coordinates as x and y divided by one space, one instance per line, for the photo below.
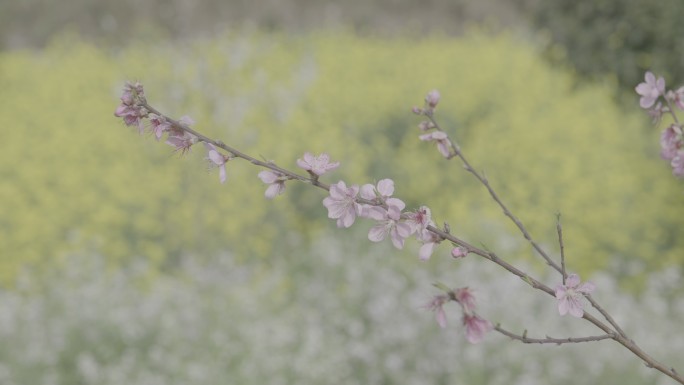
76 180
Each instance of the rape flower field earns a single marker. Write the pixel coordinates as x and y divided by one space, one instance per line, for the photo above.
122 262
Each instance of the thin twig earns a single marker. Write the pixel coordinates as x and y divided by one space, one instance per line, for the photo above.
550 340
605 315
493 194
559 229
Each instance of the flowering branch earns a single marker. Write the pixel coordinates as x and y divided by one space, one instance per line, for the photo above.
652 90
375 202
568 295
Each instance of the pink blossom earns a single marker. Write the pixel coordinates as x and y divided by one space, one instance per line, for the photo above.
389 223
133 93
466 298
132 115
437 305
420 219
430 240
131 108
317 165
656 113
475 327
342 205
159 125
379 193
215 158
570 295
671 141
442 140
426 125
650 90
432 99
276 182
677 164
459 252
677 97
181 139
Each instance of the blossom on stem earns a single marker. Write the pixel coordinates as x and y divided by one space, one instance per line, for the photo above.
672 148
131 109
426 125
389 223
429 240
650 89
342 205
459 252
380 192
656 112
475 327
276 182
181 139
436 304
432 99
159 125
678 97
442 140
570 295
466 298
677 164
133 93
317 165
217 159
671 141
420 219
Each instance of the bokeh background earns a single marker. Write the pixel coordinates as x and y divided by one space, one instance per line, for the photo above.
122 262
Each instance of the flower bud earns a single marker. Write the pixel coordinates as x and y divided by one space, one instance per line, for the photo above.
432 99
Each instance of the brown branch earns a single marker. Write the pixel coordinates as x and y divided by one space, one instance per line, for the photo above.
457 151
559 229
621 337
550 340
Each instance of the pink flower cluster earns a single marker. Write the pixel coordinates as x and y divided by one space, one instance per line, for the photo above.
475 326
672 148
132 108
671 139
376 202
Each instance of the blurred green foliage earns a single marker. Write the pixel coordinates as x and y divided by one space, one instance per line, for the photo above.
74 178
621 38
33 23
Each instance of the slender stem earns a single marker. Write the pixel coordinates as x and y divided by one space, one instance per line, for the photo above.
494 195
559 229
605 315
238 153
550 340
670 109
